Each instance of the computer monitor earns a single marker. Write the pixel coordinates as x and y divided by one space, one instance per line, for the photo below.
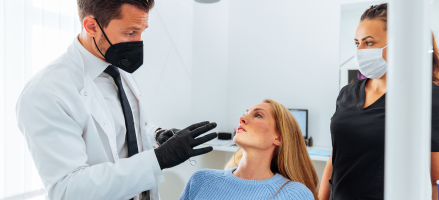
301 116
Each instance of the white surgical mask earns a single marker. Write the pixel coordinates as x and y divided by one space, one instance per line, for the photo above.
371 62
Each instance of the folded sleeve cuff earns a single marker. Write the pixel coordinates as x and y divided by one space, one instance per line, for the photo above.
151 132
158 174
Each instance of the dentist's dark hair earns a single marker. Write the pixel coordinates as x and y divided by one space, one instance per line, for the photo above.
379 12
107 10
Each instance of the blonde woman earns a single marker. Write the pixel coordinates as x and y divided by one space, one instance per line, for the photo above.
271 163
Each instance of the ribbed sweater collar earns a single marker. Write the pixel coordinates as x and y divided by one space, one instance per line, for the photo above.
229 175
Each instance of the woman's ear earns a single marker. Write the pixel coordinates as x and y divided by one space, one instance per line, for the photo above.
277 141
90 26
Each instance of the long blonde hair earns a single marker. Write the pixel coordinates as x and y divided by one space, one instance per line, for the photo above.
291 158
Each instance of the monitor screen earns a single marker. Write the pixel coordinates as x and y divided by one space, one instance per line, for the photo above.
301 116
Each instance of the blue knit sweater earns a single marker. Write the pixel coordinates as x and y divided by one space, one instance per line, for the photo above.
208 184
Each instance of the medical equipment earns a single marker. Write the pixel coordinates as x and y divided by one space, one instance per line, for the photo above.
224 136
301 116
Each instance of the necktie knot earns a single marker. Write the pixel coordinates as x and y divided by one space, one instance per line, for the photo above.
112 71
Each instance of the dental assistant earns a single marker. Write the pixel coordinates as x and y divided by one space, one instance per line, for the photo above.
84 119
356 167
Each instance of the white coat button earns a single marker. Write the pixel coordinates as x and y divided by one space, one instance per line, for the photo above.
140 95
146 123
105 122
85 93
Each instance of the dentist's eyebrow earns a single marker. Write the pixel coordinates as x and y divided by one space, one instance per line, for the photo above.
136 28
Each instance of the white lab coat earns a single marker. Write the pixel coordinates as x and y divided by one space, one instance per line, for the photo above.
71 137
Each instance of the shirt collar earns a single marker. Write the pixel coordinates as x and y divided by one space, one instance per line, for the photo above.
93 66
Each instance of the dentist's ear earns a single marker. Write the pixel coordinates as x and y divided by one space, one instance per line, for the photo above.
90 26
277 141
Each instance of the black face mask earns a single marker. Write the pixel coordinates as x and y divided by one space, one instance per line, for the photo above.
126 55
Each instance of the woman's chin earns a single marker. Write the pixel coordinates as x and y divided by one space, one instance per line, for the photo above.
243 142
238 140
247 144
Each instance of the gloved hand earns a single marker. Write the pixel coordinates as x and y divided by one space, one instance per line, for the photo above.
163 135
179 148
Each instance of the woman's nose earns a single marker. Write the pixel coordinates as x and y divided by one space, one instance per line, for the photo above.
242 120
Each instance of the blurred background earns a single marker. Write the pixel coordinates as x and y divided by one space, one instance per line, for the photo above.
204 59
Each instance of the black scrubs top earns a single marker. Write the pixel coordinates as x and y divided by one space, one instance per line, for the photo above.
358 144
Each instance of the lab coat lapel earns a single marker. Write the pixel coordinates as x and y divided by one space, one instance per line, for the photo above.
96 105
133 86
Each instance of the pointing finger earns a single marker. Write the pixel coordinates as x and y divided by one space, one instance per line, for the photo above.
204 139
202 151
195 126
200 130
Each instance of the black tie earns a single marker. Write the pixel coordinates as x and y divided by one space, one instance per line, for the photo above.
128 115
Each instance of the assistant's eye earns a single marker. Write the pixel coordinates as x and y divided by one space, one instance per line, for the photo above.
369 44
129 34
258 115
357 44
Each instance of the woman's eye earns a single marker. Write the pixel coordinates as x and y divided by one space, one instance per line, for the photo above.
369 43
357 44
258 115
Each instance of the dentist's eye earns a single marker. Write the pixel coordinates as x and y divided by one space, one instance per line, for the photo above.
129 34
357 44
369 43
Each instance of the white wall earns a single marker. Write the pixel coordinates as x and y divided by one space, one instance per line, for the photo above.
210 62
288 51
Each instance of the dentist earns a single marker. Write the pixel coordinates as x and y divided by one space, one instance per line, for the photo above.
83 117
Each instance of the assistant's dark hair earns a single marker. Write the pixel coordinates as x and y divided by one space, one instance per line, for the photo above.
376 12
107 10
379 12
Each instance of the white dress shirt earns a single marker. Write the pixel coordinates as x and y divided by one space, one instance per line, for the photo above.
109 90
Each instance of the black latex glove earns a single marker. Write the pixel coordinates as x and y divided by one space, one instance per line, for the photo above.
164 135
179 148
